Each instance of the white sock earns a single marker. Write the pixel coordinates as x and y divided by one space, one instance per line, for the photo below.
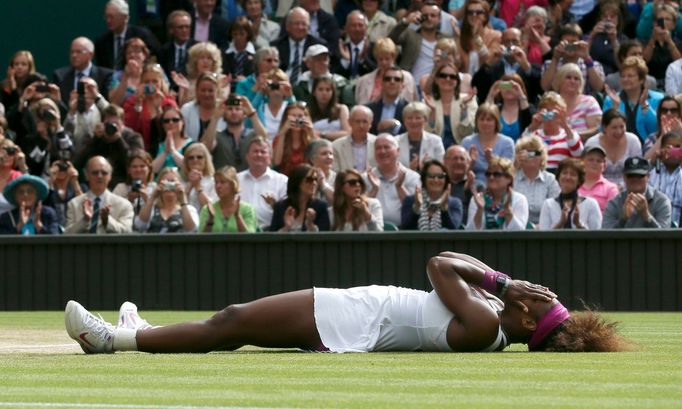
124 339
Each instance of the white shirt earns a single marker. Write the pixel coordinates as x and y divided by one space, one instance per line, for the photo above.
208 186
252 188
424 63
351 48
590 214
673 78
388 194
272 121
519 206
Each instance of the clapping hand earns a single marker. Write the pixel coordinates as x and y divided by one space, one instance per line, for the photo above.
310 215
269 198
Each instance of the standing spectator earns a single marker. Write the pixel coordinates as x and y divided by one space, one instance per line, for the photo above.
229 214
300 211
21 66
109 46
330 118
356 150
509 93
167 210
416 145
390 181
388 109
379 24
208 25
477 39
293 45
139 184
171 151
570 210
607 35
531 179
266 31
260 185
596 185
351 209
583 111
173 54
29 216
534 40
457 162
84 113
356 53
294 135
639 205
125 81
667 177
99 211
197 170
80 66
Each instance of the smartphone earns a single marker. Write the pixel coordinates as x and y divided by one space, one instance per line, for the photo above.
80 88
80 102
660 22
43 88
506 85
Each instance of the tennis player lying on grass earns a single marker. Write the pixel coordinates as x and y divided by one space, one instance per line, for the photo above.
459 315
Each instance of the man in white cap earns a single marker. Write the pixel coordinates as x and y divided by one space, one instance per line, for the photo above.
317 62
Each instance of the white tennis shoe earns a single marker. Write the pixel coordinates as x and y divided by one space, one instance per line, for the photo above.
94 335
129 318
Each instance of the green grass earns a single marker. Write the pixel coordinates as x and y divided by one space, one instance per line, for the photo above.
651 377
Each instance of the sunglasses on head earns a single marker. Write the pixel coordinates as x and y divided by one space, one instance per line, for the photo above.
495 174
174 120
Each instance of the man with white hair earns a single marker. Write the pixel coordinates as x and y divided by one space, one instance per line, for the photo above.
294 43
109 46
317 61
390 181
356 151
80 66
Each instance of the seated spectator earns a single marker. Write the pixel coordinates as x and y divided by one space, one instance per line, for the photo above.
617 143
167 210
29 216
570 210
208 25
669 118
227 146
260 185
317 61
628 48
445 50
531 179
265 60
351 209
534 41
238 58
607 35
64 186
21 66
477 38
596 185
452 114
379 24
173 54
8 155
300 211
416 145
266 31
498 207
356 51
550 124
143 109
583 111
638 205
488 142
85 113
509 94
388 109
356 151
229 214
125 81
294 135
667 177
457 162
638 103
112 140
197 113
368 88
662 49
321 25
390 181
434 209
320 154
197 171
271 102
139 183
99 211
330 119
204 58
80 66
171 151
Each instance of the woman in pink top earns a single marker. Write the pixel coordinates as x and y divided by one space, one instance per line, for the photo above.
535 42
596 185
584 112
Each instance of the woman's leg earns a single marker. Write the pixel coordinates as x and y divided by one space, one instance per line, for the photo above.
280 321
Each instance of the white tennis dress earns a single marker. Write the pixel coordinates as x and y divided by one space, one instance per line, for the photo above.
386 318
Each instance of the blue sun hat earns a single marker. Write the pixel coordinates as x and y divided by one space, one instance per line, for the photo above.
39 184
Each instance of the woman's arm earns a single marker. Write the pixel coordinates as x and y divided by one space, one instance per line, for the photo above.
343 120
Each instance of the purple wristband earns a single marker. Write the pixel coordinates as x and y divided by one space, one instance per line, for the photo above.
490 282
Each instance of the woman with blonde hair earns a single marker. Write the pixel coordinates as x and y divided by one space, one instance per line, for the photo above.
271 103
228 214
531 179
201 58
583 111
197 170
167 210
294 135
351 209
198 113
21 65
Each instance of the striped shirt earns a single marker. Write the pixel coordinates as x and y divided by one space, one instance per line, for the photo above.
559 147
586 107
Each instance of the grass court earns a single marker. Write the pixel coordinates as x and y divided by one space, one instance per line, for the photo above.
40 367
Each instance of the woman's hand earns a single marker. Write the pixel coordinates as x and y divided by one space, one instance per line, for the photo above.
36 217
288 217
361 205
615 99
473 153
11 79
180 193
576 218
194 177
508 212
444 199
418 200
24 213
169 143
310 215
477 197
133 70
180 80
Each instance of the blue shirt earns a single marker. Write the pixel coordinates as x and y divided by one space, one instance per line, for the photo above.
504 147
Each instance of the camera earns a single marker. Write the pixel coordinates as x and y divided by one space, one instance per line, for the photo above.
273 85
423 18
608 25
570 47
110 128
62 166
299 121
549 115
136 185
233 101
532 154
45 115
168 185
506 85
149 89
43 87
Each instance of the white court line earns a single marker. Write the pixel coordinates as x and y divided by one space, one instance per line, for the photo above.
15 347
116 406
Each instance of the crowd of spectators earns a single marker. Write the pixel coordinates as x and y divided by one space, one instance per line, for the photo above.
368 115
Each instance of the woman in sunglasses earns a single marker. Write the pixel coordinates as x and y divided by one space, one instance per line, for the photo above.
171 150
669 116
8 153
498 207
461 314
477 39
197 170
432 209
300 211
351 209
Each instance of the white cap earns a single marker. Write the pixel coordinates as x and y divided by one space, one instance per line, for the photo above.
315 50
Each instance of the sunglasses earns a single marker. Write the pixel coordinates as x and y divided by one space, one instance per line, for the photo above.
447 76
353 182
310 179
388 78
475 12
669 110
634 176
197 157
440 176
174 120
495 174
99 172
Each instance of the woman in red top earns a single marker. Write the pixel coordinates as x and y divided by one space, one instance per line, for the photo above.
295 133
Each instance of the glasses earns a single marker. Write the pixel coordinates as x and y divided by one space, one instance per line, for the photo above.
447 76
352 182
669 110
98 172
495 174
439 176
475 12
173 120
389 78
195 157
310 179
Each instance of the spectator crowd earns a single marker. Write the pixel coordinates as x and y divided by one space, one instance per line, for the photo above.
352 115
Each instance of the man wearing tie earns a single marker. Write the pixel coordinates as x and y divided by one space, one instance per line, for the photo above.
173 54
99 211
294 43
356 53
80 59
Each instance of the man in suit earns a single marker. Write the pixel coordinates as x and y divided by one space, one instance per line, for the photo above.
208 26
388 110
173 54
356 54
322 25
293 44
99 211
80 59
109 46
356 151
